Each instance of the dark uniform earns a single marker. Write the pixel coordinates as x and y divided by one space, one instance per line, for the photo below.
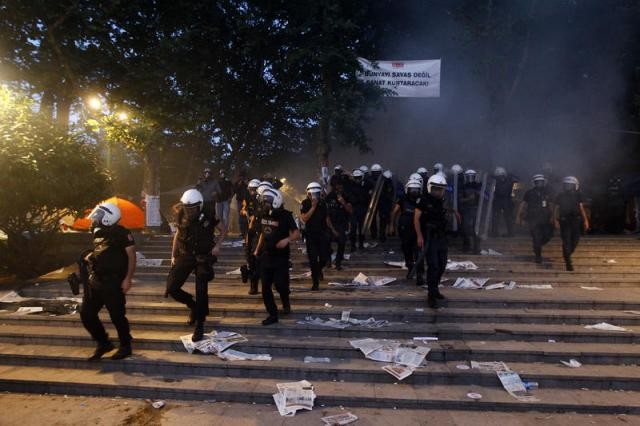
539 218
359 195
503 205
317 239
615 212
274 262
372 180
570 218
195 242
253 209
385 204
339 217
242 196
108 264
433 225
469 201
406 230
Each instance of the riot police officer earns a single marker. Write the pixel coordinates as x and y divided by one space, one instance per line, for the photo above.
278 230
570 217
502 202
313 212
404 210
469 201
339 210
430 224
359 191
111 266
374 175
537 210
194 250
250 211
385 204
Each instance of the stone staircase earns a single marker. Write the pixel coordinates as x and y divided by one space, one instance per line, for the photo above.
531 330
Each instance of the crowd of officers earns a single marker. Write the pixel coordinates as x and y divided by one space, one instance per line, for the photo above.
421 212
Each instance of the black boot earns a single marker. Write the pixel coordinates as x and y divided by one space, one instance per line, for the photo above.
244 272
286 305
192 316
438 295
254 287
123 352
409 269
431 300
101 349
270 320
568 264
198 333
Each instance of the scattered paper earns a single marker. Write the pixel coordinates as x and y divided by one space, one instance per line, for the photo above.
345 256
490 366
461 266
300 276
340 323
158 404
25 310
396 264
470 283
426 338
12 297
536 286
632 312
501 285
233 243
606 327
217 343
463 367
233 355
339 419
400 372
234 272
584 287
141 260
370 245
361 280
512 383
294 396
474 395
610 261
316 360
490 252
573 363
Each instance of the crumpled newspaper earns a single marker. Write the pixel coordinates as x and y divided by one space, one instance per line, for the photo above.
218 343
294 396
605 327
465 265
362 280
470 283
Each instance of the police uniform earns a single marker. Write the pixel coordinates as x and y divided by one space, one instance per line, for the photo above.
385 204
109 263
539 215
502 205
195 242
253 213
359 194
406 230
469 200
570 218
339 217
276 224
433 225
317 239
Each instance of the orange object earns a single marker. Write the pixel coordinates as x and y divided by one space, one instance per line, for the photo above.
132 215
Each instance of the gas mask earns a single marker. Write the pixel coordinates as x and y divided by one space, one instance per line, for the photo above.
191 212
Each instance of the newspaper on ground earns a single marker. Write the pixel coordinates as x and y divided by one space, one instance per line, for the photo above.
340 323
610 261
233 355
346 256
470 283
234 272
536 286
605 327
490 366
12 297
294 396
465 265
490 252
316 360
361 280
339 419
501 285
584 287
233 243
512 383
396 263
141 260
400 372
632 312
426 338
300 275
218 342
370 245
26 310
573 363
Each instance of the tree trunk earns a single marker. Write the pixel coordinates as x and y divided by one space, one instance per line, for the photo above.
151 187
46 104
63 105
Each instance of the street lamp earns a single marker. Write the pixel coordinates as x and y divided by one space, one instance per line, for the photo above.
94 103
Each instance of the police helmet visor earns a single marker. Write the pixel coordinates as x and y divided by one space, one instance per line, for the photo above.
268 198
413 191
96 216
437 191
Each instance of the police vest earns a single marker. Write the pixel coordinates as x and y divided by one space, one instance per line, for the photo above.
196 237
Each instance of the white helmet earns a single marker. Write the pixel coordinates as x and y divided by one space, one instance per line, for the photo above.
470 175
105 214
262 187
376 167
500 171
387 174
337 167
364 169
539 177
457 169
422 170
272 197
192 198
438 167
267 183
314 187
572 180
253 183
357 173
412 183
415 176
436 181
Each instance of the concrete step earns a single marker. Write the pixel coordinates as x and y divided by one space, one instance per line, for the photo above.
337 347
174 386
339 369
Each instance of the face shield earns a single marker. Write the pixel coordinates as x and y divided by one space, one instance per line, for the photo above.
539 183
437 192
267 199
191 211
413 192
96 217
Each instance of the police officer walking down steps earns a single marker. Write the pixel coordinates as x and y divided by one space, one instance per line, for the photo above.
111 266
194 250
570 217
469 202
537 210
313 212
278 230
430 223
404 210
